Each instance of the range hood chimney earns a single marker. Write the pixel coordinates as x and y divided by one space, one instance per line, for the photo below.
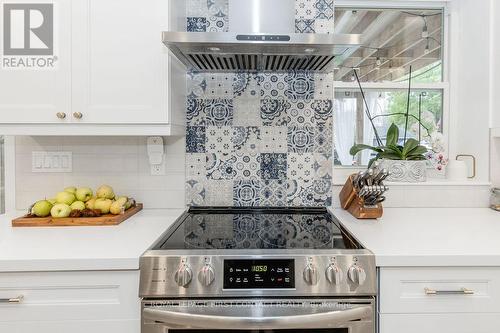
262 38
262 16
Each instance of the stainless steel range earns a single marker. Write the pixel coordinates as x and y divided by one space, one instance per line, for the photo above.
257 270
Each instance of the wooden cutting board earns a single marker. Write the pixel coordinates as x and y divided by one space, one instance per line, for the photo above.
108 219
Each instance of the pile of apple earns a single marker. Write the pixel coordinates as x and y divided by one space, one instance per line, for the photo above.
82 202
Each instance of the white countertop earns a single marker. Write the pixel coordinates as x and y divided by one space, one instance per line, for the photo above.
429 236
81 248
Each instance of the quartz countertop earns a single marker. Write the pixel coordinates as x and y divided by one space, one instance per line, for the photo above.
81 248
429 236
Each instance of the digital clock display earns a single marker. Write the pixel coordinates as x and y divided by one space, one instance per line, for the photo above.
259 274
260 268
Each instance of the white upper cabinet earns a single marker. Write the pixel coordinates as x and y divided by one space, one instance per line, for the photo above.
35 95
112 75
119 63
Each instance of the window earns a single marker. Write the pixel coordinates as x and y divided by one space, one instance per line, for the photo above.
394 40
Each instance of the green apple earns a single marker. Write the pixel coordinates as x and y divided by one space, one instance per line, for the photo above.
70 189
105 192
103 205
117 207
78 205
122 199
65 198
84 194
60 210
42 208
90 204
53 201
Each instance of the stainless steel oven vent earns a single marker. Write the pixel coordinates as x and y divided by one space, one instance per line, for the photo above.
228 52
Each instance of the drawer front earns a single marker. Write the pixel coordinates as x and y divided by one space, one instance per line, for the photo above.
87 326
444 290
440 323
52 296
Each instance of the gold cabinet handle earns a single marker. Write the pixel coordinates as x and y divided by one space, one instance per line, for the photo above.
17 300
78 115
61 115
463 291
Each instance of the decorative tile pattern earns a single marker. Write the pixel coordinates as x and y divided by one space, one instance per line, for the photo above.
197 24
196 166
195 139
323 111
220 166
219 85
300 85
273 193
300 139
247 165
303 26
219 112
301 166
323 139
274 111
218 139
219 193
301 114
195 113
323 166
324 9
196 85
259 139
274 139
323 86
209 15
195 193
246 138
272 85
246 193
273 166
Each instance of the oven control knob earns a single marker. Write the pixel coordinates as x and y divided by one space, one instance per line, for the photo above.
311 275
334 274
183 275
357 274
206 275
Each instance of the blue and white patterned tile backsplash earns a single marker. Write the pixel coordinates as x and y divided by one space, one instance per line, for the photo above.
259 139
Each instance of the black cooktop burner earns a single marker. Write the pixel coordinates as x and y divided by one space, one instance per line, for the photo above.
256 228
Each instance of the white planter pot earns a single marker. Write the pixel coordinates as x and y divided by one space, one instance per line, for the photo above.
405 171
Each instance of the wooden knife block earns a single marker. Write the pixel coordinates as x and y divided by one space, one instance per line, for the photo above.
350 201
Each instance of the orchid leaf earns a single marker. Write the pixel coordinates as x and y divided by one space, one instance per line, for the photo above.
392 135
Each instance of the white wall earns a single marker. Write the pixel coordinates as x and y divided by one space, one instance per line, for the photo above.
121 162
495 91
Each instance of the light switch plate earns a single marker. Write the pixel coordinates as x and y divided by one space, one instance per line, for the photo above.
51 161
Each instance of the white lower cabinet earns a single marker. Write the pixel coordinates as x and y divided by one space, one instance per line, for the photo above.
97 302
444 300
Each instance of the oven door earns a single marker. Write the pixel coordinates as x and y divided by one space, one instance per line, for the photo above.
266 316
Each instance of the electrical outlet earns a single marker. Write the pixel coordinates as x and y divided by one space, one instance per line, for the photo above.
51 161
158 169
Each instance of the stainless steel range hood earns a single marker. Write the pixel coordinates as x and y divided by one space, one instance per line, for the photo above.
263 38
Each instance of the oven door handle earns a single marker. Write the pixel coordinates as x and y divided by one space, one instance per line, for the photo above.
330 319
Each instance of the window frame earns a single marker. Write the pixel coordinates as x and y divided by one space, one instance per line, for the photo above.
342 172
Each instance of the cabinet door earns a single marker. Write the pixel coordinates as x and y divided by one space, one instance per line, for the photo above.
36 94
119 62
440 323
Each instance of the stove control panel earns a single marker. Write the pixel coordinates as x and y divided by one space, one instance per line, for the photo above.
259 274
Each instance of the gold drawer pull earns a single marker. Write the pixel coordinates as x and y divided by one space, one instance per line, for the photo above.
463 291
17 300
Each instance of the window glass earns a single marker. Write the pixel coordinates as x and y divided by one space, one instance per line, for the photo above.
352 124
393 40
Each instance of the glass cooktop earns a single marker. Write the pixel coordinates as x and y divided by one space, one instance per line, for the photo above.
256 228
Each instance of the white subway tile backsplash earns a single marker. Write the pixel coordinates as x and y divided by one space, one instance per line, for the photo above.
121 162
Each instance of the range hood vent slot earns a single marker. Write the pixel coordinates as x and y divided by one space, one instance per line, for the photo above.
228 52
